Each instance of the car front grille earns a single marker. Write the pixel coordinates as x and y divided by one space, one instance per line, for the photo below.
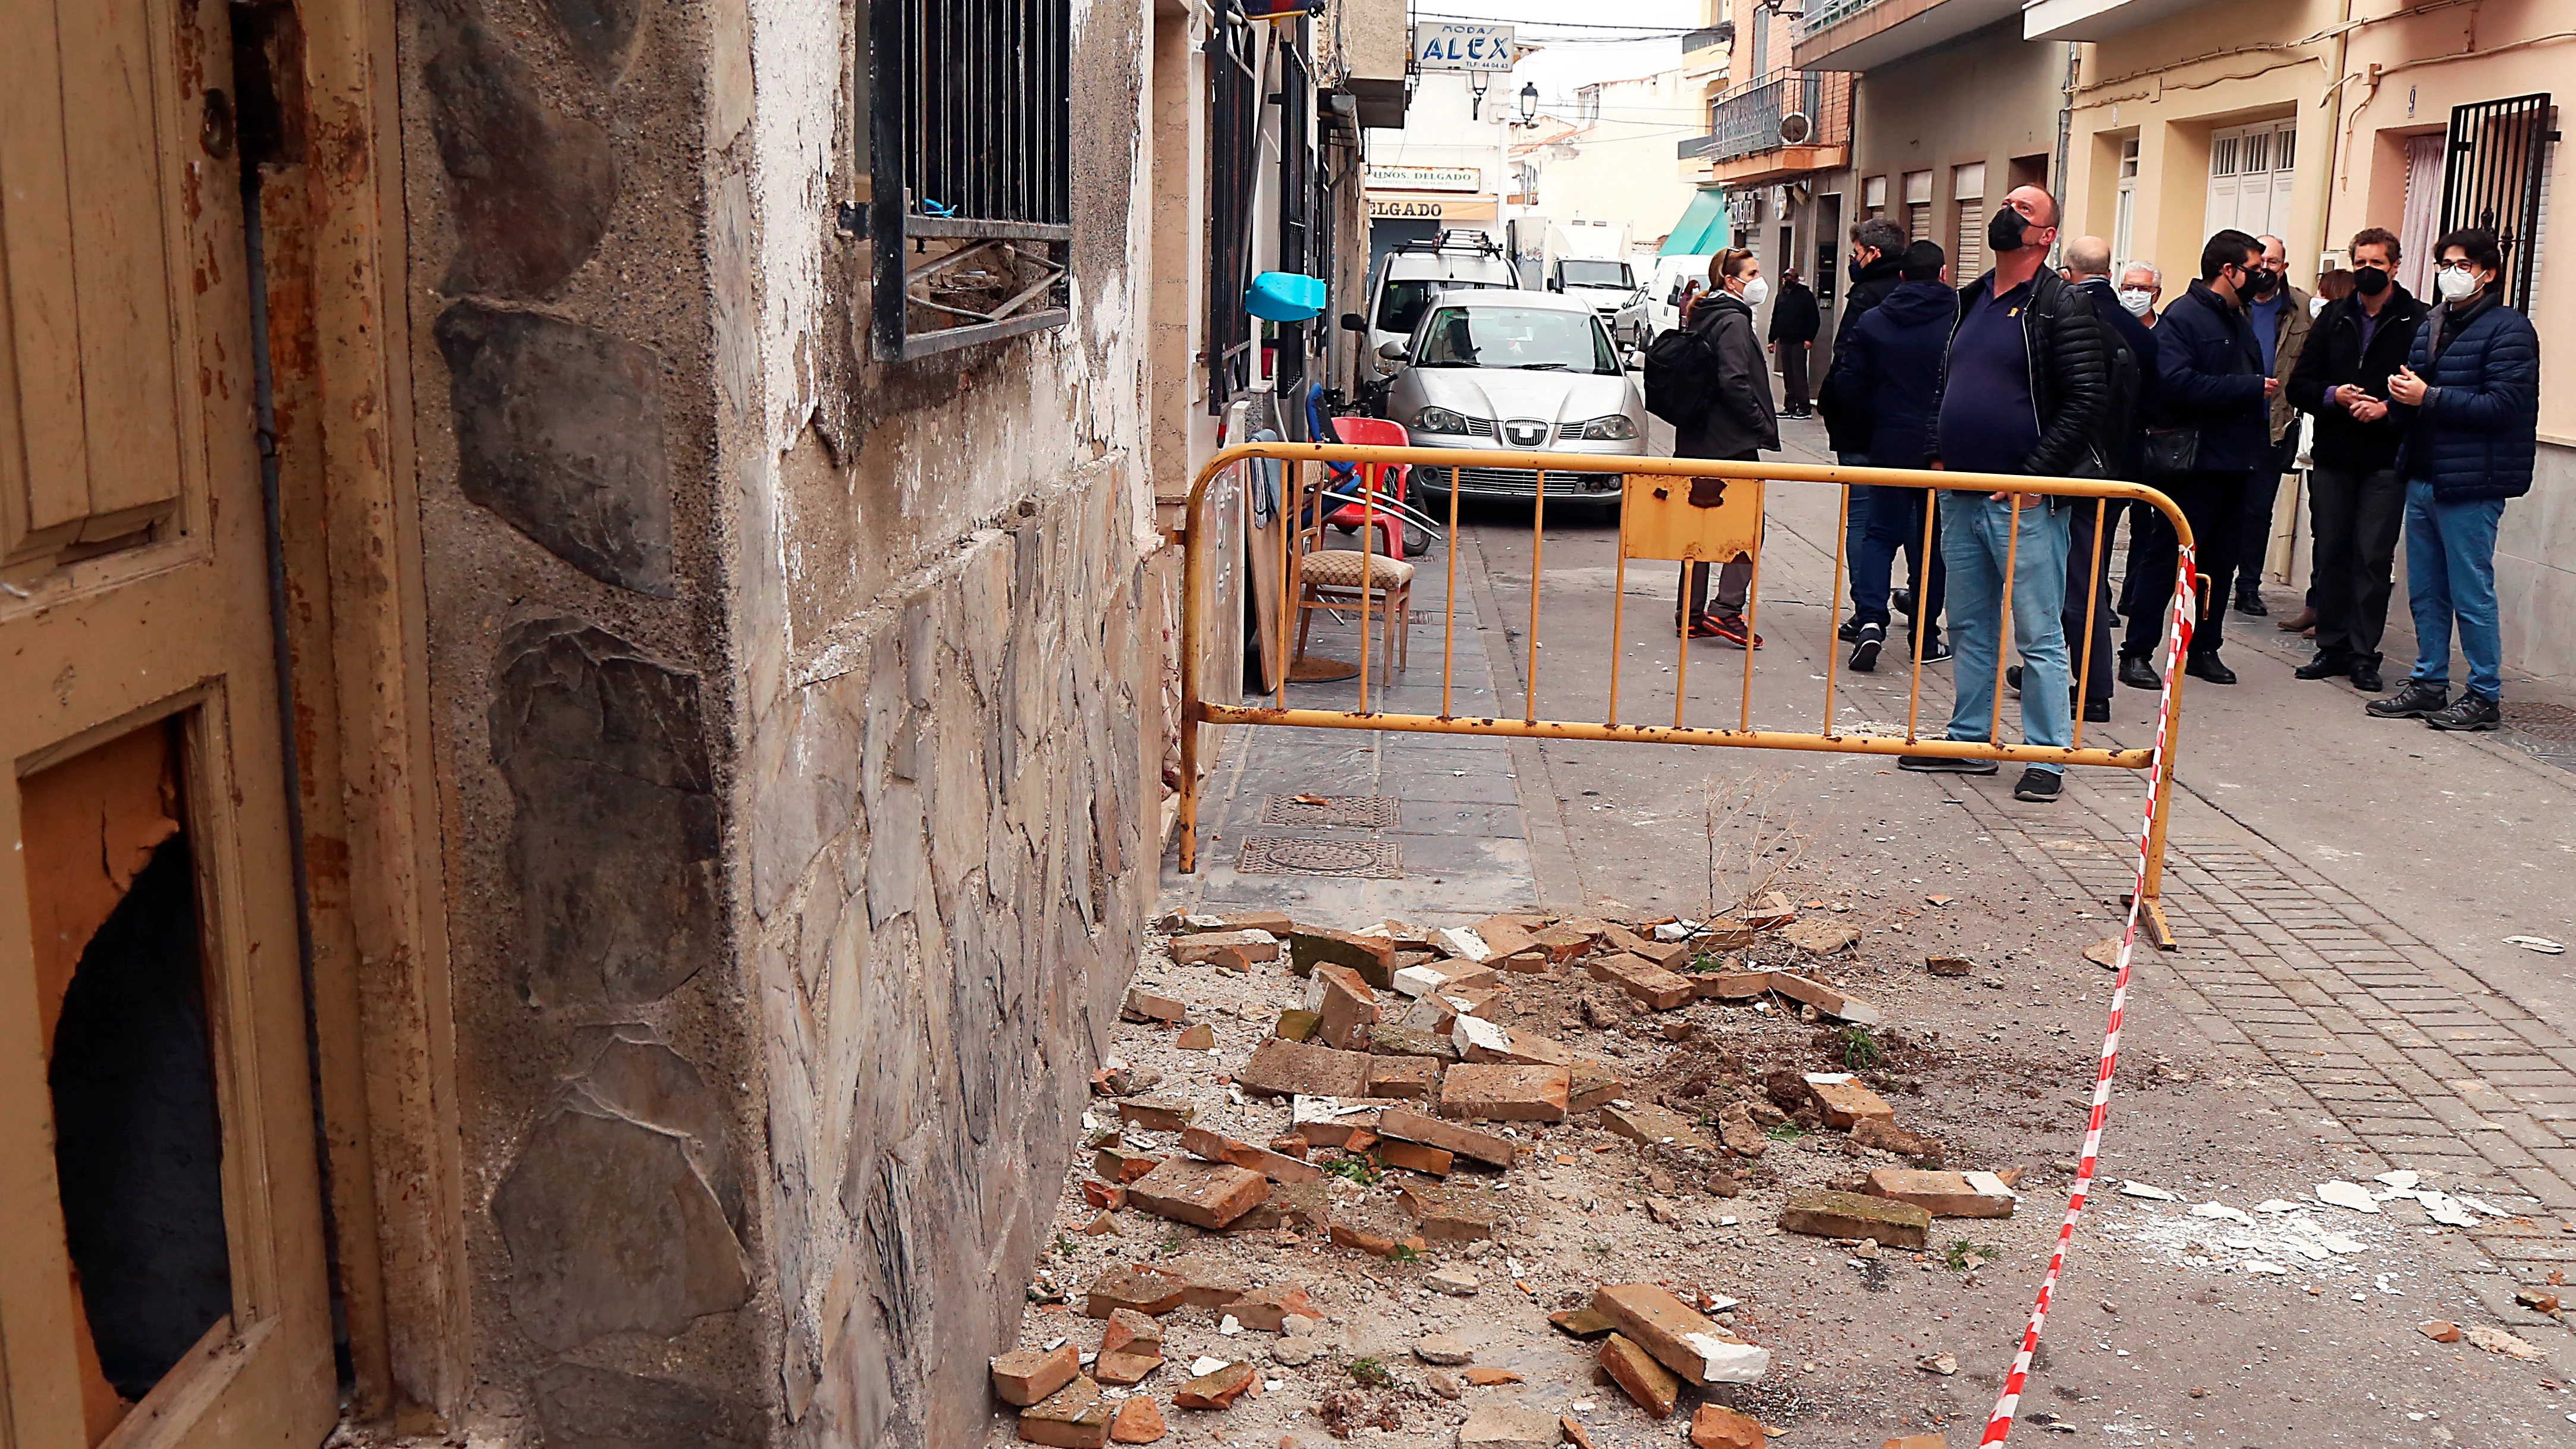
1518 482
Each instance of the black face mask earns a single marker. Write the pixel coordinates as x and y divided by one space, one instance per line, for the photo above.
2262 282
2370 281
2004 230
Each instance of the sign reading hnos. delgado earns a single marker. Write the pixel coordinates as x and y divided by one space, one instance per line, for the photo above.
1463 47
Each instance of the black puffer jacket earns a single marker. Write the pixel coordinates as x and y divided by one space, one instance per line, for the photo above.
1740 418
1847 418
2070 375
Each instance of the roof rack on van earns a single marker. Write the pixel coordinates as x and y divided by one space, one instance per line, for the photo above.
1475 242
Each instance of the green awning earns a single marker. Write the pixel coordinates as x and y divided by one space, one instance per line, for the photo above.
1703 228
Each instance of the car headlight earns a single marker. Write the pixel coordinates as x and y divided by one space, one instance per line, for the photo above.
1440 420
1615 428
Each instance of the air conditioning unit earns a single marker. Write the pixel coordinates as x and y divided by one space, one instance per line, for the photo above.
1795 128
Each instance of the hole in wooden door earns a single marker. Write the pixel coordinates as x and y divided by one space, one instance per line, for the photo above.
138 1142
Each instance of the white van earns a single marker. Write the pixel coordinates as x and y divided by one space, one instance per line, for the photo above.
1664 287
1416 271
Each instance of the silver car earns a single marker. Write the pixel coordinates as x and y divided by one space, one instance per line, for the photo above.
1521 370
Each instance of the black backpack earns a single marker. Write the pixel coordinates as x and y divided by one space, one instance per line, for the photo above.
1681 375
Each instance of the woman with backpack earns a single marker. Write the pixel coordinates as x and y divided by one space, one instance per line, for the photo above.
1707 378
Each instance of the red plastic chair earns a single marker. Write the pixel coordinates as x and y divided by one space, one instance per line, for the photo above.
1384 479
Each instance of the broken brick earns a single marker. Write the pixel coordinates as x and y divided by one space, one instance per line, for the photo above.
1653 985
1491 1426
1413 1157
1143 1005
1125 1367
1532 962
1208 1283
1948 965
1581 1323
1332 1122
1417 1077
1373 957
1501 1093
1827 1214
1504 936
1811 992
1149 1291
1489 1148
1122 1164
1215 1389
1482 1041
1574 1432
1844 1101
1369 1232
1138 1421
1199 1038
1345 1005
1129 1329
1715 1426
1644 1123
1283 1068
1156 1114
1944 1194
1278 1167
1487 1377
1203 1194
1073 1417
1100 1226
1306 1205
1105 1194
1389 1040
1654 1387
1886 1136
1563 942
1032 1374
1591 1085
1268 1309
1419 980
1678 1336
1735 1128
1723 933
1232 950
2440 1330
1275 922
1450 1214
1770 912
1731 985
1296 1024
1822 938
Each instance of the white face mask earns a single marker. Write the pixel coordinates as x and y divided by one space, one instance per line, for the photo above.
2316 306
2136 300
2455 283
1757 291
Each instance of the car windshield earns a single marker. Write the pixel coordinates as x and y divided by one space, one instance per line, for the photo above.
1531 338
1400 306
1595 274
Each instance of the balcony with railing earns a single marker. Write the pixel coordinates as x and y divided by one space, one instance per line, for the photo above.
1786 124
1865 34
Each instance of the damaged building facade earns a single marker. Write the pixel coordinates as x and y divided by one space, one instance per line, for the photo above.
643 536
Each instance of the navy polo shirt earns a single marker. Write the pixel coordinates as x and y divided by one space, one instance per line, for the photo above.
1988 422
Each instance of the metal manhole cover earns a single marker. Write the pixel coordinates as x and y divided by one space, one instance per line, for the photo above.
1366 812
1364 859
2549 723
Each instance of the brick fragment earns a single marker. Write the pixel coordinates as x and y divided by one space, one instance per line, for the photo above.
1944 1194
1268 1309
1282 1068
1149 1291
1653 1387
1735 1128
1368 1231
1490 1148
1344 1004
1492 1426
1100 1226
1532 962
1104 1194
1715 1426
1651 984
1450 1214
1216 1147
1387 1039
1217 1388
1143 1005
1731 985
1138 1421
1580 1323
1811 992
1122 1164
1564 941
2440 1330
1156 1114
1501 1093
1031 1374
1199 1038
1484 1376
1208 1283
1125 1367
1844 1101
1591 1085
1419 980
1296 1024
1855 1215
1335 1122
1886 1136
1575 1434
1505 935
1723 933
1645 1123
1917 1441
1231 950
1413 1156
1371 956
1480 1040
1679 1337
1130 1330
1822 938
1203 1194
1948 965
1411 1077
1770 912
1073 1417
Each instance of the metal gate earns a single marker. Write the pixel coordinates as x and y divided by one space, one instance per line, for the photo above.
2499 150
1687 510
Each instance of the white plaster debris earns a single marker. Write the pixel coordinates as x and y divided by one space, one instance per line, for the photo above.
2348 1195
2401 1179
1205 1365
1724 1362
2541 944
1463 941
1419 980
2147 1190
2222 1210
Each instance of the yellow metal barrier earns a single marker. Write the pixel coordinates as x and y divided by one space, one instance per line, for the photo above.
1671 509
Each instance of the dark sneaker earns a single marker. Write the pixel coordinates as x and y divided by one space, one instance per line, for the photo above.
1945 765
2211 668
2468 712
2097 711
2137 673
2037 785
2365 676
1732 629
1935 651
2012 677
1865 647
2249 602
2324 666
1903 599
2415 701
1849 631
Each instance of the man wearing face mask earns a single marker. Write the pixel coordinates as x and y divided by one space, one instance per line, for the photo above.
2469 400
2141 287
2356 501
2025 391
2210 375
2280 317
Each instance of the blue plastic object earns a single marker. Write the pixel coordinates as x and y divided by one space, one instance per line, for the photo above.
1284 297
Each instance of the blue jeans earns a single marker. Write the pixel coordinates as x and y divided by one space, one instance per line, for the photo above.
1975 531
2450 574
1883 521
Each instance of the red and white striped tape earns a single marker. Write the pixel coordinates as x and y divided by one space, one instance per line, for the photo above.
2000 1425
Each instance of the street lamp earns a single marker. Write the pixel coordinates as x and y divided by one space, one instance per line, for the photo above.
1529 102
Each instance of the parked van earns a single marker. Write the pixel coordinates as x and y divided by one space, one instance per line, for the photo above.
1415 272
1664 288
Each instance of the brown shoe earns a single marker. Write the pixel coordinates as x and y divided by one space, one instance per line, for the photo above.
2304 623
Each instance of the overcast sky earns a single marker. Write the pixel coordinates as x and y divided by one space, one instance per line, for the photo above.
1581 43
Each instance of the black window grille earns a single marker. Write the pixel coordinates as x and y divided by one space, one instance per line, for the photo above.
1297 207
2499 151
1234 64
969 112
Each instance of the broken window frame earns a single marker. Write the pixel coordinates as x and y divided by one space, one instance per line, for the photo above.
969 108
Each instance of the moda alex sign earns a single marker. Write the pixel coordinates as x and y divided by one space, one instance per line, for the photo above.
1426 178
1463 47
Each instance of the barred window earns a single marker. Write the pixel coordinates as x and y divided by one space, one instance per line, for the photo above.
968 104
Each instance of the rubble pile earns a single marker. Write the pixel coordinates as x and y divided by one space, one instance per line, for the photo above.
1397 1108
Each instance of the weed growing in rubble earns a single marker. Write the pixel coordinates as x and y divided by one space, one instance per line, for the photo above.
1356 1168
1860 1049
1964 1256
1369 1373
1784 1131
1063 1246
1404 1253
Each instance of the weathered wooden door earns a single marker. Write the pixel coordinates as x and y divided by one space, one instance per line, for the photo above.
162 1275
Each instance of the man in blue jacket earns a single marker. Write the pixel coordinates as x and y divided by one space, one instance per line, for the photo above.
2211 379
1889 367
2471 395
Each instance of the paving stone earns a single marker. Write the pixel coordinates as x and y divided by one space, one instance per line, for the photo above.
1653 1387
1283 1068
1829 1214
1031 1374
1502 1093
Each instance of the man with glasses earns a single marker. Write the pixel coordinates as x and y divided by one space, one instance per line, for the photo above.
2469 396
